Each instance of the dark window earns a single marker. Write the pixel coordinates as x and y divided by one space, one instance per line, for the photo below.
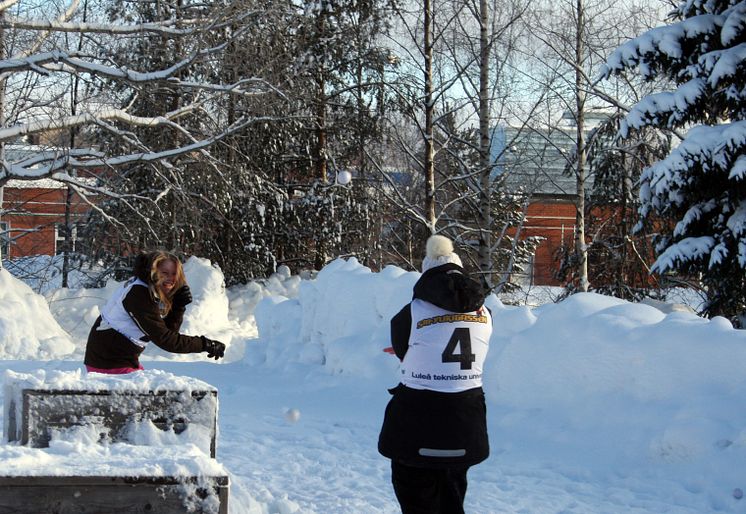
4 239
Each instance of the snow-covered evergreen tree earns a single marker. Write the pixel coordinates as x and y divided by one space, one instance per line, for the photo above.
700 186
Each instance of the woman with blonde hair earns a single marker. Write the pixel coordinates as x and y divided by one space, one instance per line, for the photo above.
148 307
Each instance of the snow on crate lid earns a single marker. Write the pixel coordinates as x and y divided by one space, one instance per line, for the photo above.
78 455
77 380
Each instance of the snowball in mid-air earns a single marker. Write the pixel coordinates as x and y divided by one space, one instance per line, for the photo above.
292 415
344 177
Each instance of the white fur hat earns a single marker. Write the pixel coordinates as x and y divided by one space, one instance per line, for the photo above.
439 252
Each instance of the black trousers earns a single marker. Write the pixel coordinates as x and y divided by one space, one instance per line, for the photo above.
429 491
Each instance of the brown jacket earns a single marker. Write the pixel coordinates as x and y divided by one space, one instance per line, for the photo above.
107 349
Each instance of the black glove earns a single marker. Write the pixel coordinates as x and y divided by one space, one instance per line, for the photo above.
214 349
182 297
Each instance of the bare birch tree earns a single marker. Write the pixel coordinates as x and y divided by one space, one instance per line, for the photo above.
575 36
465 55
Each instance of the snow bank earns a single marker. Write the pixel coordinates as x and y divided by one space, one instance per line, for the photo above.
27 328
594 346
588 346
243 298
208 313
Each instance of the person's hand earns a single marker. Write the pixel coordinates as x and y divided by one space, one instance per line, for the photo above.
182 297
214 349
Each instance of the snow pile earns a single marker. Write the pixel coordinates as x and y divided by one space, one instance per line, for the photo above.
27 328
208 312
339 320
589 345
243 298
595 346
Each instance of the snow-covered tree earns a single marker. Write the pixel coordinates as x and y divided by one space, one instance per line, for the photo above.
174 203
618 259
700 186
38 65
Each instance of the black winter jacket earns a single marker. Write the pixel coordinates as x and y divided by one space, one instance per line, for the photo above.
108 349
420 419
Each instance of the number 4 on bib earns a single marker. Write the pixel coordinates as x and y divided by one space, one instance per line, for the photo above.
462 339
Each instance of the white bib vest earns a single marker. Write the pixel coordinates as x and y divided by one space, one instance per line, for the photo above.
446 350
114 316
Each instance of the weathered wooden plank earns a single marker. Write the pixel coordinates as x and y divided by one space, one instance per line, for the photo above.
113 495
46 410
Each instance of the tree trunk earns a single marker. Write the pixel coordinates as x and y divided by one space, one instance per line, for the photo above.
2 189
68 235
622 280
321 161
484 253
321 155
69 194
2 125
581 251
429 108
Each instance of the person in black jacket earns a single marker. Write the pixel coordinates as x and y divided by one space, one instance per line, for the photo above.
435 424
148 307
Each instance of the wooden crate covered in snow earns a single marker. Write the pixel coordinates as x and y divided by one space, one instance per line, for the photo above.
122 408
143 442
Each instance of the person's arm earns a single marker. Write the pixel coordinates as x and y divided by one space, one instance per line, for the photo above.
401 325
181 299
144 311
174 319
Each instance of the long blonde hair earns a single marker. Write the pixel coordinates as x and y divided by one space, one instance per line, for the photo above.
166 300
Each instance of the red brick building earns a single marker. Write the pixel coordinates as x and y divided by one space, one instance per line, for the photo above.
554 221
536 161
33 217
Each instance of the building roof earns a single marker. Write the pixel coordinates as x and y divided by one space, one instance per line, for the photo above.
535 160
539 160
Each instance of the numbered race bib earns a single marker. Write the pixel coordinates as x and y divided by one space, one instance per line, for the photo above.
446 350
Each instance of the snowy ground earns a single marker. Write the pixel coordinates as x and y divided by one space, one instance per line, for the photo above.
595 405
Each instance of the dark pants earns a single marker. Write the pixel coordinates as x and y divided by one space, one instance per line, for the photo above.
429 491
